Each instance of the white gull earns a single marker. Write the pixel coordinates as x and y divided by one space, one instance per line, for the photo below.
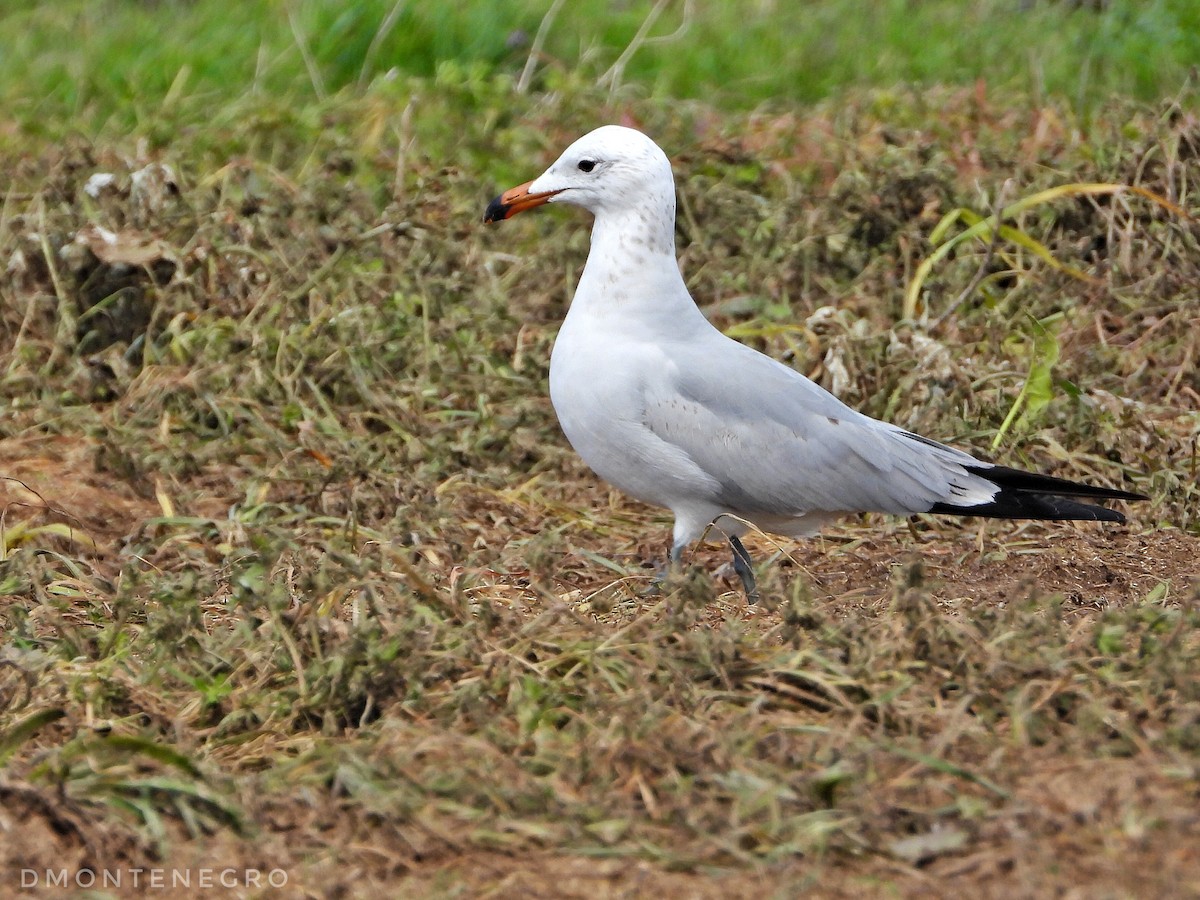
671 411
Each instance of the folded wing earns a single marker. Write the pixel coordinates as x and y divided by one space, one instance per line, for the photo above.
779 445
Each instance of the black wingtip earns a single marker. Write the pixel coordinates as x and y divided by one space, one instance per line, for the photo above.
1016 505
1028 495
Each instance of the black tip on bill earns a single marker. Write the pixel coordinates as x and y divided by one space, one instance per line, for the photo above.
497 211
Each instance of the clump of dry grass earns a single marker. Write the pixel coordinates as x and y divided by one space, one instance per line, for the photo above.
298 562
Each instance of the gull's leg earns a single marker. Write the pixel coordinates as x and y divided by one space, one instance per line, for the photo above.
665 571
744 568
672 566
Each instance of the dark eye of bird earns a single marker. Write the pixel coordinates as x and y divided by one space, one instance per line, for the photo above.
586 165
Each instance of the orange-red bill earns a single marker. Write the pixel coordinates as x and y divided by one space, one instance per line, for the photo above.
516 200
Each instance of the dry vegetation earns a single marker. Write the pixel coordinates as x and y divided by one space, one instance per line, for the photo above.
298 571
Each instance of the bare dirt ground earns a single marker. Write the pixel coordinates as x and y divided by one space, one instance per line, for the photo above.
1098 827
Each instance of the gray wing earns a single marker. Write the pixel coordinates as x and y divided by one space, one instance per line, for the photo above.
779 444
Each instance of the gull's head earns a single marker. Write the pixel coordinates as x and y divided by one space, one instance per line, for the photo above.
611 168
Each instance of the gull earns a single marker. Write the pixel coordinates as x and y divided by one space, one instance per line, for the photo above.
662 405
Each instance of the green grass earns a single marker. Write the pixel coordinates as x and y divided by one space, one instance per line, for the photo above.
296 567
120 64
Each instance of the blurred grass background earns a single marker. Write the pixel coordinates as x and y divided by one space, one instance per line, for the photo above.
97 65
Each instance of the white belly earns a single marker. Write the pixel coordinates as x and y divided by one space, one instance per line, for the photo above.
598 390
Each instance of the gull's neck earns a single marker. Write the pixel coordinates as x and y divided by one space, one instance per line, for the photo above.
646 225
631 269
